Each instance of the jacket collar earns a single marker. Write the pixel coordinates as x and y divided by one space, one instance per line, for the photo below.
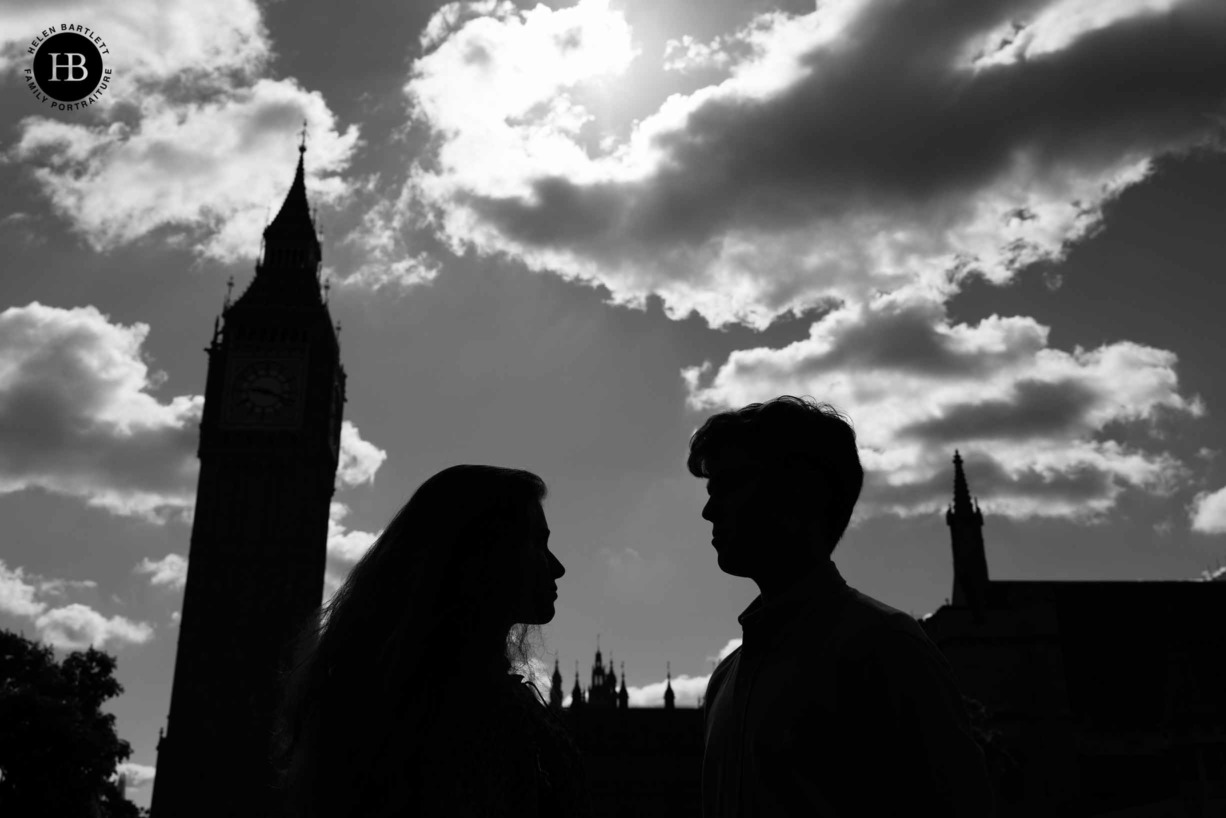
818 593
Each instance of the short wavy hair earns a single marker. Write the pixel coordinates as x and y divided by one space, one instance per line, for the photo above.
788 428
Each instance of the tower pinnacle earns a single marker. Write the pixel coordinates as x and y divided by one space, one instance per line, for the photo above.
669 697
293 220
576 694
623 695
288 268
555 687
962 492
965 523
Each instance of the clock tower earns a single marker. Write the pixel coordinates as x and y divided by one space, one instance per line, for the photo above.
269 445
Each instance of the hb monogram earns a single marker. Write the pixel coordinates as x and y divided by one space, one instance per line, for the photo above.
71 65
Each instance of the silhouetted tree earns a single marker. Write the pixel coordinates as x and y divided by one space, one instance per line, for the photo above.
58 751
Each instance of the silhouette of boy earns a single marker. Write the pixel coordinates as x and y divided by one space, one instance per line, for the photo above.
835 704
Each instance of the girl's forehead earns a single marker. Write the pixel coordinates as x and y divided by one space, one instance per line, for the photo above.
536 518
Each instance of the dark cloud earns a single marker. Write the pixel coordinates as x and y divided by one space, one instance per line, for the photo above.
77 415
918 386
912 147
1082 492
892 118
909 339
1036 409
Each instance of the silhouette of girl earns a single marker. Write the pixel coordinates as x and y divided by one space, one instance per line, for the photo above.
402 698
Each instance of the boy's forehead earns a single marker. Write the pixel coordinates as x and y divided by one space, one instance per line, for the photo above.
732 458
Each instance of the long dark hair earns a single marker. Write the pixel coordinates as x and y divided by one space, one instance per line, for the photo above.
421 612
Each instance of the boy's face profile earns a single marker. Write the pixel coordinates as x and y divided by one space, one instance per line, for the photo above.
762 516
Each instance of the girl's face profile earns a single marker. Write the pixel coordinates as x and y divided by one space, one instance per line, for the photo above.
535 572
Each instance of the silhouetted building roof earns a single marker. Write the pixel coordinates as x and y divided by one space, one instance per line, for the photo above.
1108 694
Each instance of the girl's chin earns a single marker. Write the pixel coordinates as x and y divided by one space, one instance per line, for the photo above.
547 613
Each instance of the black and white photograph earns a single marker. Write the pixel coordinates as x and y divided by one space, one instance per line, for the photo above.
612 408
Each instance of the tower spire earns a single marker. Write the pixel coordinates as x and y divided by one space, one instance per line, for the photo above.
555 687
623 695
962 492
966 539
670 698
576 694
294 217
288 267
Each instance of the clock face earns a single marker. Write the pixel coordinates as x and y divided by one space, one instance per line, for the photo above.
264 389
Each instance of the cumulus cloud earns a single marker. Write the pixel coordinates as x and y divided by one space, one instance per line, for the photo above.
1208 512
777 188
189 137
210 173
170 571
17 596
725 651
344 545
687 690
1034 423
388 258
76 626
347 545
68 627
690 54
137 775
1055 26
78 417
57 587
151 41
359 459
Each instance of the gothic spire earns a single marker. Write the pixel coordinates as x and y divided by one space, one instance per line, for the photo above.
669 697
293 220
962 492
287 273
576 694
965 521
623 695
555 687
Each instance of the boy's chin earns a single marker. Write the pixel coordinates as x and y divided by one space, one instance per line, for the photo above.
729 564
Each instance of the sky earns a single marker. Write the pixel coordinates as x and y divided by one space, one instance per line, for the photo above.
558 237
